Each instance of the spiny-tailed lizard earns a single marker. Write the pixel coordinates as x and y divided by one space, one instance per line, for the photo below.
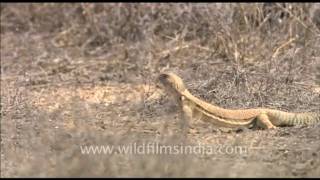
194 108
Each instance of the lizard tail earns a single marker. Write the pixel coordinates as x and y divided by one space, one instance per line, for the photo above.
291 119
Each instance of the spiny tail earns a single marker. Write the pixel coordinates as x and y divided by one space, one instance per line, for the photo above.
291 119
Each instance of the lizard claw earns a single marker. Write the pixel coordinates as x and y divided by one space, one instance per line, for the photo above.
273 127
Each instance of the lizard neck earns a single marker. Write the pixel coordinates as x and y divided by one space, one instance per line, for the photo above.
200 102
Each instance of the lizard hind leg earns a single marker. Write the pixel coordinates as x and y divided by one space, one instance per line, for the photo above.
264 121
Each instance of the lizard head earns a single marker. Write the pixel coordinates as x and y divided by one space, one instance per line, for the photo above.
172 82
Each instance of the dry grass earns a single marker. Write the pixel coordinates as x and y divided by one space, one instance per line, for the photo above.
83 74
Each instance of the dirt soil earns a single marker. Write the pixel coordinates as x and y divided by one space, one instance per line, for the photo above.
55 100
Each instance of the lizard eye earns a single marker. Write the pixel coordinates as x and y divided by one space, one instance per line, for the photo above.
162 77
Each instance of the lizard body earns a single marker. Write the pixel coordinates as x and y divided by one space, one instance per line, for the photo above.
194 108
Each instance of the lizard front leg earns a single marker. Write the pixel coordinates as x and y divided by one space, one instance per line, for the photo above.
264 121
187 114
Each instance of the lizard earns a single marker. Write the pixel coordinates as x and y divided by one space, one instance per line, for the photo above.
194 108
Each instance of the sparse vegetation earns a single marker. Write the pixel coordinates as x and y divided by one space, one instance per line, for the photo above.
84 74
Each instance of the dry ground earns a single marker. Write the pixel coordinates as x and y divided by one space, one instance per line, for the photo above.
62 89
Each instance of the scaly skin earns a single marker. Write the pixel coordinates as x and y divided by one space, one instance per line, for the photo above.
194 108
